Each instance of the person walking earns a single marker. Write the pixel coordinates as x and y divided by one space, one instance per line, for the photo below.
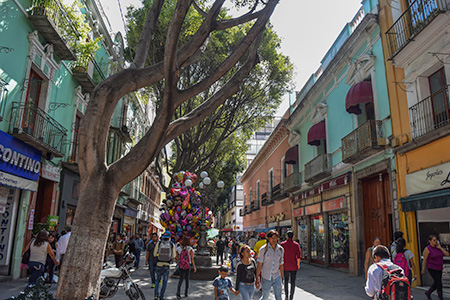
262 241
433 260
381 256
62 246
185 256
292 257
271 266
138 247
393 245
403 258
220 248
252 242
39 248
151 259
118 248
369 254
234 252
49 264
246 274
165 252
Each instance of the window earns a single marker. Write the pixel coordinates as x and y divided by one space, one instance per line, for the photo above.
439 98
270 182
258 194
75 139
3 97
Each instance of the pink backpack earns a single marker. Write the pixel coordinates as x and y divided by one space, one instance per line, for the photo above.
184 261
400 260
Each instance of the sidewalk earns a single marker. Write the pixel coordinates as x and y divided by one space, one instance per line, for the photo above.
313 283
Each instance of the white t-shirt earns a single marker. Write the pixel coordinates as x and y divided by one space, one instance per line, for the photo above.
408 255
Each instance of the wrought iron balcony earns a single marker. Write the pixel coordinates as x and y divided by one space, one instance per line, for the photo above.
430 114
414 19
88 76
252 206
257 205
54 24
293 182
278 192
133 192
35 127
266 199
318 168
242 212
362 142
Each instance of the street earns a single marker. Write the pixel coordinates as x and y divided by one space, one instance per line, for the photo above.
312 283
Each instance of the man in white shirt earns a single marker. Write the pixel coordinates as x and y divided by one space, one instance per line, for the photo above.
382 256
62 245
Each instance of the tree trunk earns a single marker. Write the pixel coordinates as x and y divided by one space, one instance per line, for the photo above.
95 207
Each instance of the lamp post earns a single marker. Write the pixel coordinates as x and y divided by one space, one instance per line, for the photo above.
202 249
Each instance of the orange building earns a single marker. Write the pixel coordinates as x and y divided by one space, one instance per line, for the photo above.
266 206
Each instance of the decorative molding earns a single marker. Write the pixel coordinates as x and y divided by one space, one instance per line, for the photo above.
360 69
319 112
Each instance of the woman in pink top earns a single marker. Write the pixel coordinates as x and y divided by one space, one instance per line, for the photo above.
433 259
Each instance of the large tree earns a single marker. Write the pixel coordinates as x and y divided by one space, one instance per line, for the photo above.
223 134
101 183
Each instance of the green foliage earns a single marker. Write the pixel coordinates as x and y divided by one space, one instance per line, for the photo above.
38 227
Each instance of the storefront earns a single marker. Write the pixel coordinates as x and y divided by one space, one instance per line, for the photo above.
70 192
302 231
429 192
20 165
129 221
338 232
317 233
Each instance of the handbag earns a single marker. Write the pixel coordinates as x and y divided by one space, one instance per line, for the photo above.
26 257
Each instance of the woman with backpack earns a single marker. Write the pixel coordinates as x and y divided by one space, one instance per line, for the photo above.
404 259
185 256
246 274
433 259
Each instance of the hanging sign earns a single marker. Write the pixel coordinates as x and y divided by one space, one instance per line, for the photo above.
434 178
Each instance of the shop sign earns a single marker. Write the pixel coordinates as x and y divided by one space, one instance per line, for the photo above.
312 209
50 172
299 212
31 220
52 222
327 185
4 191
18 158
6 221
284 223
131 212
434 178
334 204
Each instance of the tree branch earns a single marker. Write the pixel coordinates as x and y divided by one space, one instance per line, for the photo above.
198 9
146 35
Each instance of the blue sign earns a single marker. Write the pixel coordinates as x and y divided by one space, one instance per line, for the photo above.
18 158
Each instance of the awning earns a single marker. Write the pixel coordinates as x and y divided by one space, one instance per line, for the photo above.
157 225
430 200
291 156
359 93
18 182
226 229
316 133
264 229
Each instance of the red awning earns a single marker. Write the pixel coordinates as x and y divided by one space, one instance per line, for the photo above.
317 133
225 229
291 156
359 93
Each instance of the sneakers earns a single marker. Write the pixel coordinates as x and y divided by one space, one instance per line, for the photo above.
153 285
178 297
156 298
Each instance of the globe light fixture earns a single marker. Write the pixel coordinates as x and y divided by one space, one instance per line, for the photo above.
206 181
188 183
220 184
203 174
201 185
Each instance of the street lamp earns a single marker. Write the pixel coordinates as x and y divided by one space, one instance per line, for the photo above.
202 249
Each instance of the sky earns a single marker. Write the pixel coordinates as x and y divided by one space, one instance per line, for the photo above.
307 29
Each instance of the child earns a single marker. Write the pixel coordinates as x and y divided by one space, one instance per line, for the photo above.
221 284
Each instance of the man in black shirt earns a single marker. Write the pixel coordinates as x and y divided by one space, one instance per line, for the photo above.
234 252
220 248
151 258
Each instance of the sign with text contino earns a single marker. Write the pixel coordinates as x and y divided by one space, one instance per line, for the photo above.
434 178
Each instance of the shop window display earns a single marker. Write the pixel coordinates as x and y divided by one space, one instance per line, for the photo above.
303 237
317 239
339 241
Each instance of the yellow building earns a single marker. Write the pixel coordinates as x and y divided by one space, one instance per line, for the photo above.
416 44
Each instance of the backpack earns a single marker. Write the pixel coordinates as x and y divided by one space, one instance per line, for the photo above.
394 285
400 260
184 260
165 251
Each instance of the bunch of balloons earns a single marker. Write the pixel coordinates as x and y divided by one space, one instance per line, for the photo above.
181 210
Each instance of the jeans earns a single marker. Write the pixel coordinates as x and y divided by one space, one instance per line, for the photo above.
137 253
152 268
232 265
50 265
292 276
184 275
161 273
219 255
267 284
246 290
36 271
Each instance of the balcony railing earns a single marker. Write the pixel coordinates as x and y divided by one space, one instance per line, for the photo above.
293 182
54 24
88 76
35 127
413 20
242 212
318 168
362 142
133 192
266 199
429 114
257 205
252 205
278 192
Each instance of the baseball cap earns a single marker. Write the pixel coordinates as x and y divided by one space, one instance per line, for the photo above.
166 235
262 235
